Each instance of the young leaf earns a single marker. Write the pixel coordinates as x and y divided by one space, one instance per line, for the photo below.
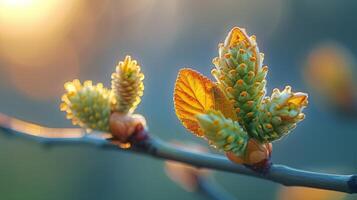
196 94
192 95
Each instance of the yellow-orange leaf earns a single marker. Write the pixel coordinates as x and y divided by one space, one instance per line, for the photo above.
192 95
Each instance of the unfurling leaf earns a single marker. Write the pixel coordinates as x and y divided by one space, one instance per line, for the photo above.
192 95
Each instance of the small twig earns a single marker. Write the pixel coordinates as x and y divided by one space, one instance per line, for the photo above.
159 149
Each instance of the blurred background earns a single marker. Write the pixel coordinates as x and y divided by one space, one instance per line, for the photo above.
310 45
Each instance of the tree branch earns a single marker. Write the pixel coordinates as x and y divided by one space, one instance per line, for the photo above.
159 149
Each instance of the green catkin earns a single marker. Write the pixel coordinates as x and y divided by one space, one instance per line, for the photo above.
240 75
127 86
90 106
278 115
87 105
223 133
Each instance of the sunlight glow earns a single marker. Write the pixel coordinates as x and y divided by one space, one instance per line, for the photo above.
31 16
16 2
33 44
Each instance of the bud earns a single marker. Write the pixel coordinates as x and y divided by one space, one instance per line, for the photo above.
124 126
257 155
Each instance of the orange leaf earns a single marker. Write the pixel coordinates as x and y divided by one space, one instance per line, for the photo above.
196 94
192 95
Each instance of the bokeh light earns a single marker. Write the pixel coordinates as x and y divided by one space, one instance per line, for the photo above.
34 18
302 193
185 175
329 71
33 48
42 78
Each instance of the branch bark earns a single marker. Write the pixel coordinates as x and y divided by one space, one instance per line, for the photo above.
159 149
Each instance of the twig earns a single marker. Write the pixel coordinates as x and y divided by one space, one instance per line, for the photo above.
159 149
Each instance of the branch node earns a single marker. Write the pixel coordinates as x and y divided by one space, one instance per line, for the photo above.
262 167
